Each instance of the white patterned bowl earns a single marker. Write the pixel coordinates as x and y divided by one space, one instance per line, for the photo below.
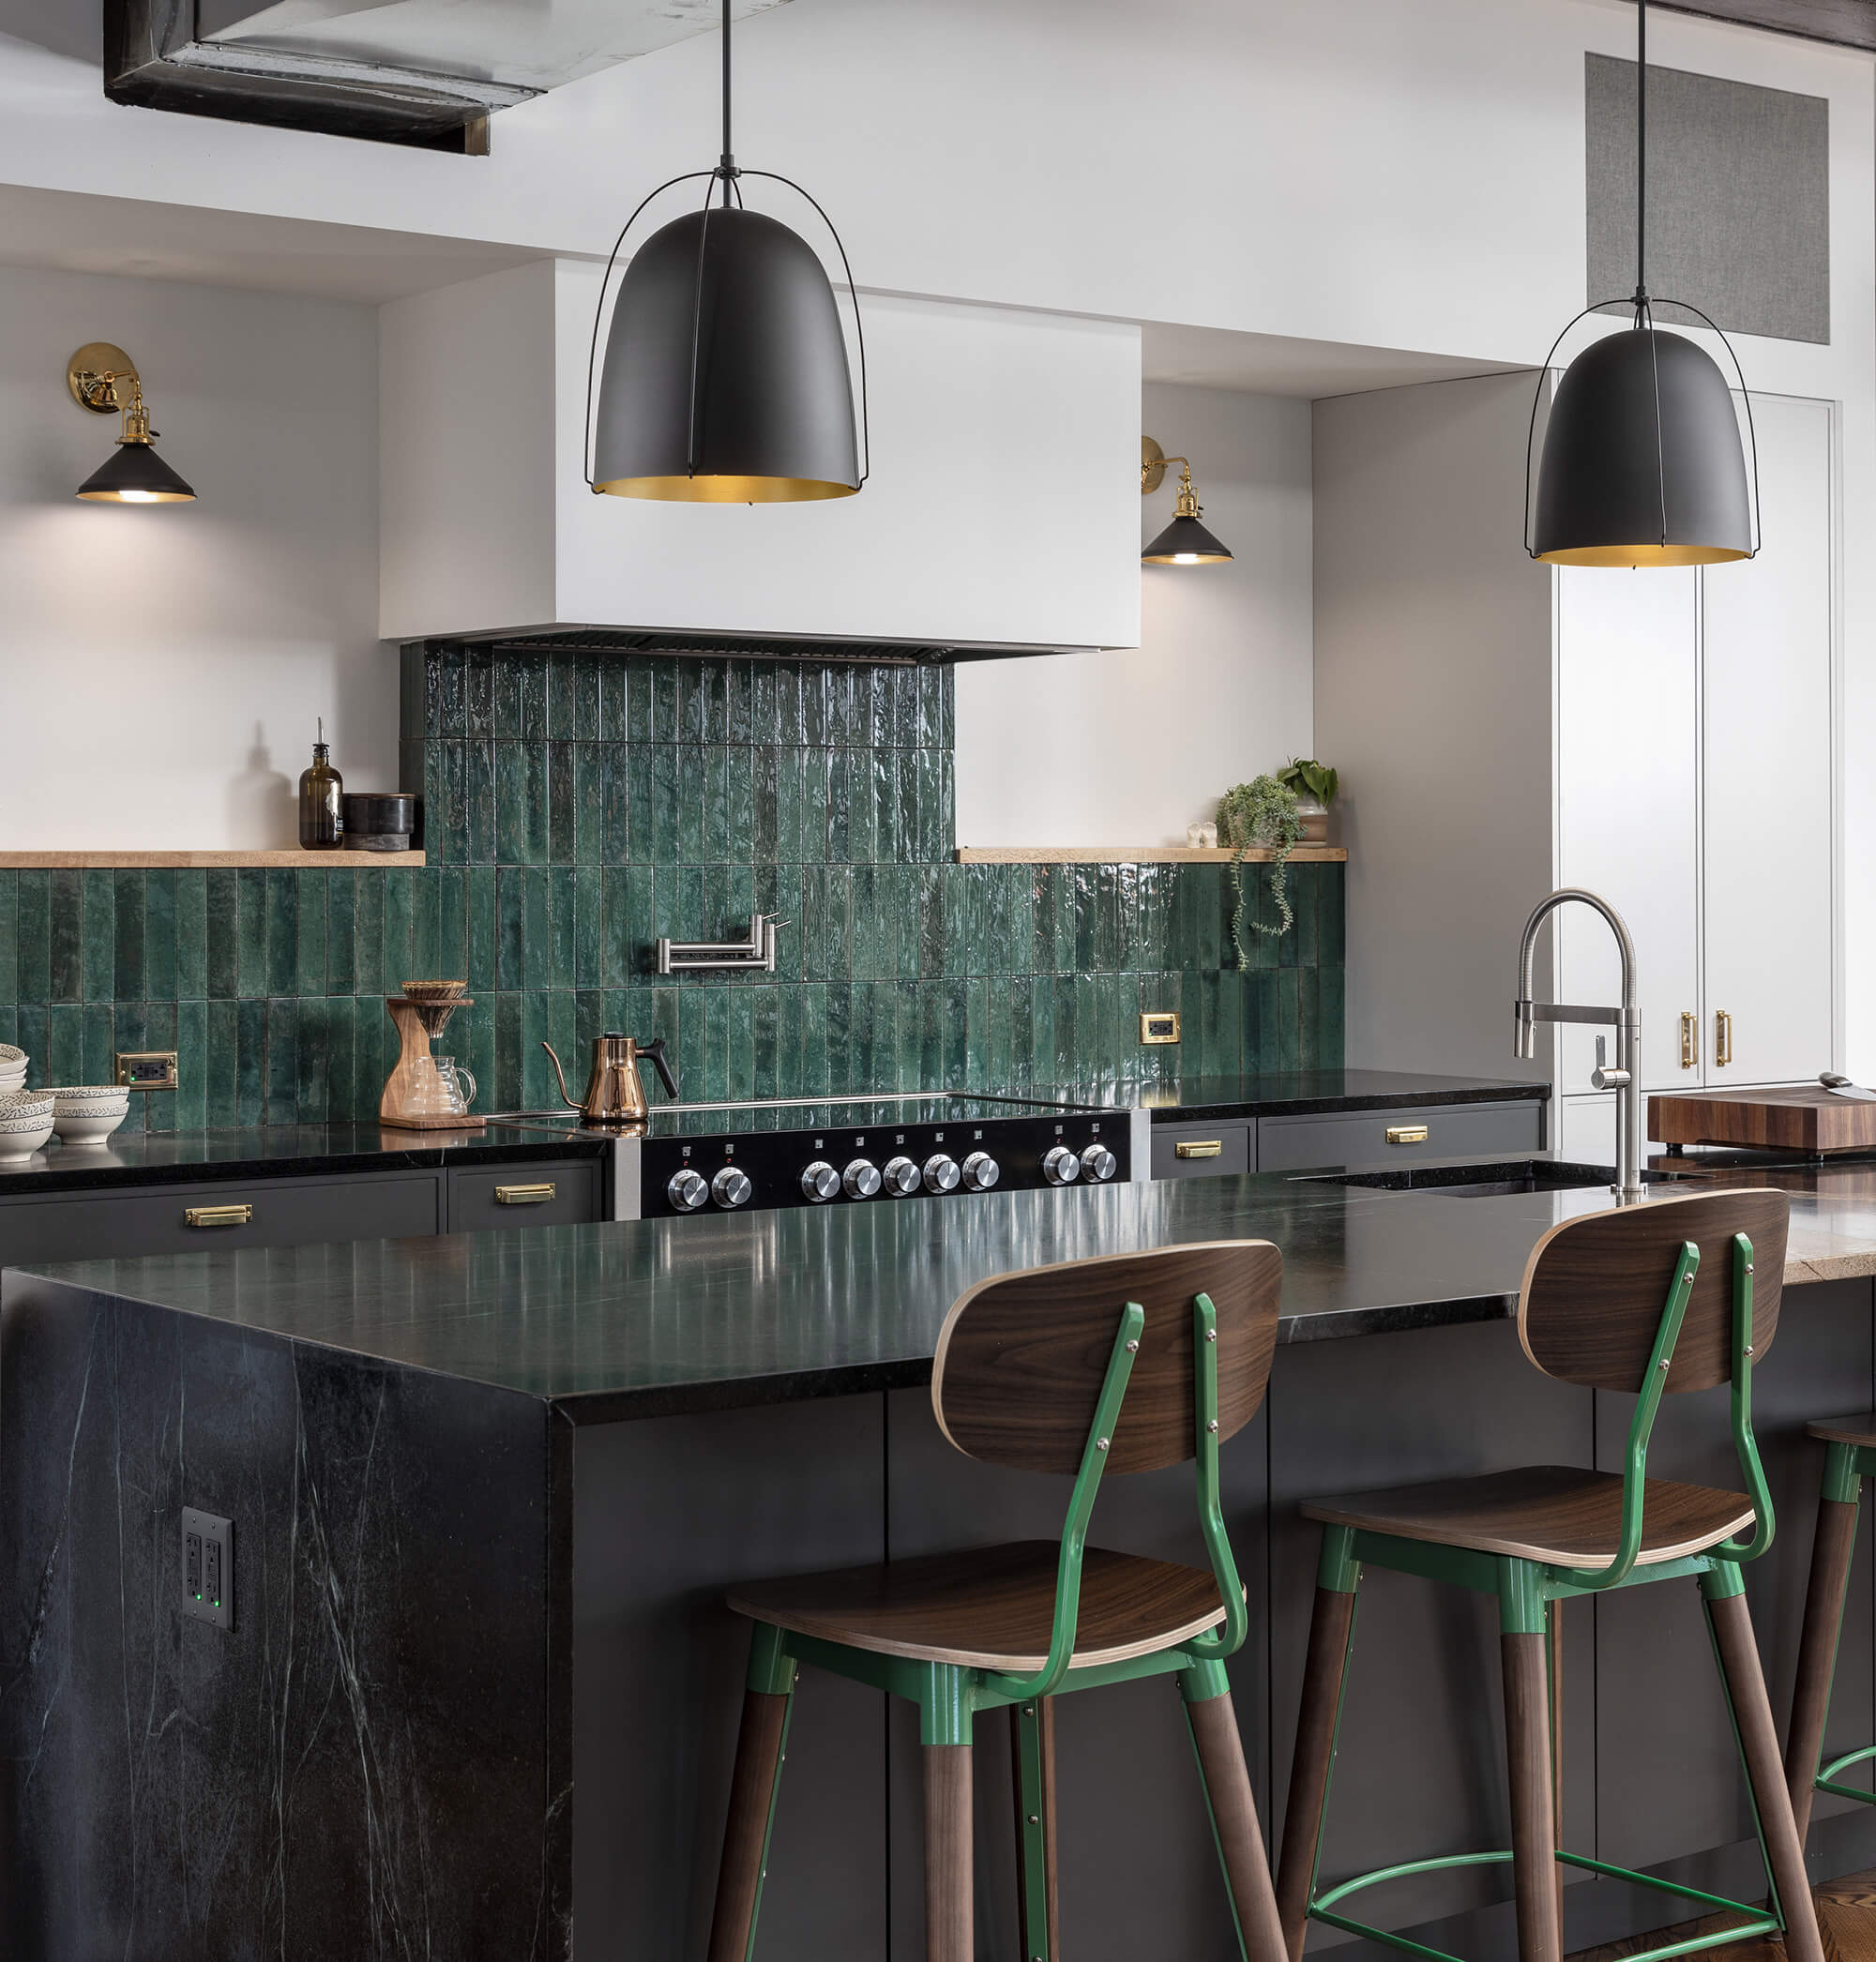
26 1123
88 1114
10 1056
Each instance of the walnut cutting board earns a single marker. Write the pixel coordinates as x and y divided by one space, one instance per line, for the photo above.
1807 1118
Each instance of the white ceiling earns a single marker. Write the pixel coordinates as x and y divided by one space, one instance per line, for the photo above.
1274 364
74 231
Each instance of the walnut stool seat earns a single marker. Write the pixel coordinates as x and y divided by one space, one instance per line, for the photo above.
1849 1457
1550 1512
994 1606
1095 1369
1648 1299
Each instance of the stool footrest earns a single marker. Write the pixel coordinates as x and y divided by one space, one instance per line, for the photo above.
1757 1920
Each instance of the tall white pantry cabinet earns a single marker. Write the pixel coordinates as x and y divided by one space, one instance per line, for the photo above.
1664 738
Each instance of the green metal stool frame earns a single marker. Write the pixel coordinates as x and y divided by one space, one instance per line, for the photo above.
1035 1329
1529 1593
1849 1457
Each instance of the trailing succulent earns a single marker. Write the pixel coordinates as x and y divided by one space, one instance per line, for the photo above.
1260 812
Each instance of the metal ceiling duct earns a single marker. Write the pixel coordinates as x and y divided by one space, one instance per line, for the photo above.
423 73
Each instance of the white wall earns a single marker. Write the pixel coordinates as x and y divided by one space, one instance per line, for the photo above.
162 667
1127 747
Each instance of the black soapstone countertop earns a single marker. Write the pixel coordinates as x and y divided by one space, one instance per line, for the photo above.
645 1317
1310 1093
282 1151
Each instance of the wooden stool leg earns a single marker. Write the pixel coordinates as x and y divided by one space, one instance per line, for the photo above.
1331 1633
1832 1551
1738 1655
1221 1749
947 1854
1534 1829
1032 1763
752 1790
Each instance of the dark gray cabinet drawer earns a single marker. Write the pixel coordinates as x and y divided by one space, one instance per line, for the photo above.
563 1192
1428 1134
172 1219
1200 1151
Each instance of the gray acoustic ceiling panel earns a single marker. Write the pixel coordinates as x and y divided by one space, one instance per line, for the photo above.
1738 197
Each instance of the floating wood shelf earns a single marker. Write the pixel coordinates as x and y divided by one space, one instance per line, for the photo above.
1138 854
162 861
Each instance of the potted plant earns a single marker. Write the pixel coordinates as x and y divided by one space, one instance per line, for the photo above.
1262 813
1315 786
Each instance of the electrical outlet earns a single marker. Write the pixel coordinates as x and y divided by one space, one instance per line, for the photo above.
207 1568
1161 1026
146 1069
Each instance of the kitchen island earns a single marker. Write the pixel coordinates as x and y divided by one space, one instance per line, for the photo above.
479 1694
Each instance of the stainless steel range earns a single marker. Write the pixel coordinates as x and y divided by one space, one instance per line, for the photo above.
693 1158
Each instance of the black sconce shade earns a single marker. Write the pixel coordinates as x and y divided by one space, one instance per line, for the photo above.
1642 464
726 377
135 475
1184 542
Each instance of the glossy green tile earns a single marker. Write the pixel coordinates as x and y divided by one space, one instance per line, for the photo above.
367 899
281 913
97 934
31 979
310 930
563 803
190 1102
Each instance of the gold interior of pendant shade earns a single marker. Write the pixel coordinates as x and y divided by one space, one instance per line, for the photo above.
1639 555
137 497
727 490
1185 558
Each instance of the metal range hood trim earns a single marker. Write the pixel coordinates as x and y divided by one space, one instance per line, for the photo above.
706 645
406 85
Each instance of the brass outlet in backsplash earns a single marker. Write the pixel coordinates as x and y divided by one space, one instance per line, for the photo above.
1158 1027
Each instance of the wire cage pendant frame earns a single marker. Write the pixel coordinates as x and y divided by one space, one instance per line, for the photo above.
1643 305
729 176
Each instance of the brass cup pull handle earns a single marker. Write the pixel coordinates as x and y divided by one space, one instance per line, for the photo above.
1407 1134
1200 1148
1722 1037
1689 1039
523 1194
218 1216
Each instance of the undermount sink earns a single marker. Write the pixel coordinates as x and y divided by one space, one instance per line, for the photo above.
1475 1181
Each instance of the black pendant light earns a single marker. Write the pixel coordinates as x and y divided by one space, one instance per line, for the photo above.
101 377
726 377
1643 464
1184 541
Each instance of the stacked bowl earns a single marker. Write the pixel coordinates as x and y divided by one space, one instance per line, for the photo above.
12 1069
88 1113
26 1123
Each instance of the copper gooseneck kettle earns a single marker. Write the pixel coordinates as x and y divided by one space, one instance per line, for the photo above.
615 1091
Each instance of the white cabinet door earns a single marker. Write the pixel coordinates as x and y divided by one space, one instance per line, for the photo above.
1770 956
1629 797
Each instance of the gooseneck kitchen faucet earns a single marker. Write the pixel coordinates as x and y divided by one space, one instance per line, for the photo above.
1625 1078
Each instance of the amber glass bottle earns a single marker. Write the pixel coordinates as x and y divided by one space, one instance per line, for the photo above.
321 820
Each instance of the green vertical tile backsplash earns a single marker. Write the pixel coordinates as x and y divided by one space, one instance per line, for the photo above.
576 807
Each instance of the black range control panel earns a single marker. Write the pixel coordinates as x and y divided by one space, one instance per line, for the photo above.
879 1163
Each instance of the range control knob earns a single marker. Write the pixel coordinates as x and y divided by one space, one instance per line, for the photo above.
861 1179
901 1177
1098 1163
820 1182
981 1171
731 1186
940 1172
1061 1166
686 1191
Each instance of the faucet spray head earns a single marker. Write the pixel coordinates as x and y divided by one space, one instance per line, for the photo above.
1525 1042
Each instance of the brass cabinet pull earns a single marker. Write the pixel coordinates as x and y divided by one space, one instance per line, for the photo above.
1722 1037
1406 1134
523 1194
1689 1039
218 1216
1199 1148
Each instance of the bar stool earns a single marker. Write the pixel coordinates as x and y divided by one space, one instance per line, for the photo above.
1650 1299
1128 1364
1849 1457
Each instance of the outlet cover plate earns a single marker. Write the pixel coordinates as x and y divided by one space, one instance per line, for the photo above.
146 1069
205 1567
1158 1026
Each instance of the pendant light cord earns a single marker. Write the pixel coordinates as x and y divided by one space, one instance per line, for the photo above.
726 167
1641 160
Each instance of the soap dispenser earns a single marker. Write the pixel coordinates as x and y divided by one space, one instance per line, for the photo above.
322 821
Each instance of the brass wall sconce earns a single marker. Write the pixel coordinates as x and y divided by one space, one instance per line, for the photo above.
1184 541
104 379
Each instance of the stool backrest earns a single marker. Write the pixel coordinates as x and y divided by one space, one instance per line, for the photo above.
1023 1357
1589 1310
